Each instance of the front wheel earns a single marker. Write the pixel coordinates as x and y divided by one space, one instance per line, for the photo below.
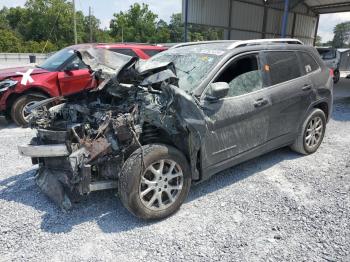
154 181
311 133
19 113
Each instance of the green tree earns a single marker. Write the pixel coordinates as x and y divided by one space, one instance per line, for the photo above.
318 41
196 32
3 19
138 24
9 42
341 35
49 24
162 32
176 28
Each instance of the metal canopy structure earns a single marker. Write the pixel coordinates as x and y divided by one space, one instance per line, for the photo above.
328 6
249 19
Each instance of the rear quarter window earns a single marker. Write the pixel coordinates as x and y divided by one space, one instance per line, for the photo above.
282 66
151 52
124 51
308 63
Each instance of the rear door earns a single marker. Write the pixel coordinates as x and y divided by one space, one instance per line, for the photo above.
238 122
74 80
290 91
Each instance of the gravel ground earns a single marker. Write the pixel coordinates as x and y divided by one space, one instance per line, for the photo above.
278 207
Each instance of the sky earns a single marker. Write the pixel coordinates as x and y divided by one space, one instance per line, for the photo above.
104 9
327 23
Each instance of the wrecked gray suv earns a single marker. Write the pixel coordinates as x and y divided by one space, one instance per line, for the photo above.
151 128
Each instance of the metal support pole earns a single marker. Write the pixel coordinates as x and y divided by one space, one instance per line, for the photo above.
316 29
90 24
75 24
264 24
229 20
186 21
285 19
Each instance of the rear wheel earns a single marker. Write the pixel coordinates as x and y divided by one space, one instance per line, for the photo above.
154 181
311 134
19 113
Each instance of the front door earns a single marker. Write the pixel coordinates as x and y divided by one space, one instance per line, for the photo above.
238 122
74 77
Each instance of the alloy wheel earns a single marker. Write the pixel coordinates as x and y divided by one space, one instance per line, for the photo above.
314 132
161 184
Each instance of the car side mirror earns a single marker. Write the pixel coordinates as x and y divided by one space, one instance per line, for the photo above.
72 67
218 90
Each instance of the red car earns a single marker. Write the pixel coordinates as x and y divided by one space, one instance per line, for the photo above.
61 74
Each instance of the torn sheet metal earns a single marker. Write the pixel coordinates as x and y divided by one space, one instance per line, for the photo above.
134 105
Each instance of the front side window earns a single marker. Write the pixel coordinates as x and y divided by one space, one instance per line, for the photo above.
308 63
243 76
76 62
282 66
57 60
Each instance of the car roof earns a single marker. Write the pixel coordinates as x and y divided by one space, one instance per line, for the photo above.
226 47
117 45
131 45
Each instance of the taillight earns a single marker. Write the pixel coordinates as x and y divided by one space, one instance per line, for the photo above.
331 72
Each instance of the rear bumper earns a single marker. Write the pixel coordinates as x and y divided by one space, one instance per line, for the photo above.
44 150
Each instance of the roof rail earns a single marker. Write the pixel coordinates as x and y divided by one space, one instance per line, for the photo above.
202 42
241 43
265 41
127 43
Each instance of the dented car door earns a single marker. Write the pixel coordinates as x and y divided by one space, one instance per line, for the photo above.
239 122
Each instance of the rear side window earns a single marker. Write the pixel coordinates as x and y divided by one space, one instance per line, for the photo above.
125 51
308 63
151 52
282 66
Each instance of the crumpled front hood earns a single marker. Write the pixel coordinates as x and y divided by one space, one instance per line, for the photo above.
13 72
114 68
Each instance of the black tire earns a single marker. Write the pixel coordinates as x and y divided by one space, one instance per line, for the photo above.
300 145
129 184
336 77
18 108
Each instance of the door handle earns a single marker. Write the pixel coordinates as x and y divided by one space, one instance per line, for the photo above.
260 102
306 87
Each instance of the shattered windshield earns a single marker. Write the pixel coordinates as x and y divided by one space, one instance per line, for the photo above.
191 65
57 59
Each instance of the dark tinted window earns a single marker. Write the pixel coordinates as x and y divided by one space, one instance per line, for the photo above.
128 52
282 66
151 52
327 54
243 76
308 63
78 62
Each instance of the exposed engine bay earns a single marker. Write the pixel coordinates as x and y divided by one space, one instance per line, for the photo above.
83 140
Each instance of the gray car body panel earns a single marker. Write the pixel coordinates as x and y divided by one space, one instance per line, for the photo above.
213 135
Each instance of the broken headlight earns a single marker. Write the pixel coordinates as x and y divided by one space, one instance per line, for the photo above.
6 84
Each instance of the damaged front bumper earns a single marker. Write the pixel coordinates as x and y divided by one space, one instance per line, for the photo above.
63 175
43 150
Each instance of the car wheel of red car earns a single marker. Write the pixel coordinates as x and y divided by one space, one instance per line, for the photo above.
18 112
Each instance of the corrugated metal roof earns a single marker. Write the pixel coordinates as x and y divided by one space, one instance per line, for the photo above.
328 6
